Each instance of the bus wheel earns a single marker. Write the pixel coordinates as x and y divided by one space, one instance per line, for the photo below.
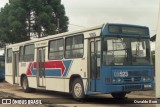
118 95
25 85
77 89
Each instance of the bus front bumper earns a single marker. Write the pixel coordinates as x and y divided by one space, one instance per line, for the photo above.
128 87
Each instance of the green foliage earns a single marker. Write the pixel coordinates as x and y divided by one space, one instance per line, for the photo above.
21 18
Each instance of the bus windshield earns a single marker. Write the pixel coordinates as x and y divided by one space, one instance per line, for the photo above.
126 51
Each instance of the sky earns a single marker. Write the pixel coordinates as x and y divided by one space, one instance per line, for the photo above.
96 12
89 13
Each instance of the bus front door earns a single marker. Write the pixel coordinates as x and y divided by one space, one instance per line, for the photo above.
15 67
41 67
95 47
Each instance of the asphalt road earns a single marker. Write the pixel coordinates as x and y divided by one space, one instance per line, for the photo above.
52 98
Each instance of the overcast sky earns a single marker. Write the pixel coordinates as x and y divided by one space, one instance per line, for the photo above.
95 12
89 13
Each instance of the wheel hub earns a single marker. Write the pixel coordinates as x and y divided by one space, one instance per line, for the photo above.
78 89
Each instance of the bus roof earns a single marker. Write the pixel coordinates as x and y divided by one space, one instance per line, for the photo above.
57 35
104 31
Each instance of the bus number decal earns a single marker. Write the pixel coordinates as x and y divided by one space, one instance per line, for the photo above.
121 74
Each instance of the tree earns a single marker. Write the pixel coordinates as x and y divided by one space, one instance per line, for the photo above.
21 19
12 23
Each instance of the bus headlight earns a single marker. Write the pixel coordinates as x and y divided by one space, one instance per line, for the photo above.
119 79
116 80
147 86
146 78
113 80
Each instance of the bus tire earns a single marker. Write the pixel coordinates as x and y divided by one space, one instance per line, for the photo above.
25 85
77 89
119 95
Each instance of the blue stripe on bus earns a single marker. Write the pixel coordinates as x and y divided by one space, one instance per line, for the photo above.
67 64
54 72
33 70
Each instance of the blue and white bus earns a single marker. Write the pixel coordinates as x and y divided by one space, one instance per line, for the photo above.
109 59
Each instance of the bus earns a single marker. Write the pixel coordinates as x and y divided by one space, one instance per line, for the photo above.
2 67
107 59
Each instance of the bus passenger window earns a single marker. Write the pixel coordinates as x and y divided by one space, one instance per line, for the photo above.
74 46
9 55
29 53
56 49
2 61
21 54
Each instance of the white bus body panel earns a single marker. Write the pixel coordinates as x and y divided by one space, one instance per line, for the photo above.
32 81
56 84
9 73
78 66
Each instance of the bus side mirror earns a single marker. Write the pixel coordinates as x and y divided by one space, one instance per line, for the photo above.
104 45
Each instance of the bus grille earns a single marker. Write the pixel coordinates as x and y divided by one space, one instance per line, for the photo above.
132 79
132 87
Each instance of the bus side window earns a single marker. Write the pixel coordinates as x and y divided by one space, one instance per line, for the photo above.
2 62
29 53
21 54
74 46
9 55
56 48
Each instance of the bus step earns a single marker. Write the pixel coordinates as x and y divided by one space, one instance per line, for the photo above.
41 87
91 92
